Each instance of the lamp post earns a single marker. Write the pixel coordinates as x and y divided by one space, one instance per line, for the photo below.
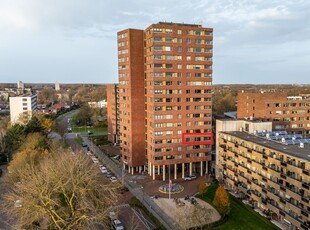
170 184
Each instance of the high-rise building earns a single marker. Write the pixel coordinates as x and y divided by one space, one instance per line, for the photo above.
22 108
131 98
57 86
112 113
20 85
165 79
290 113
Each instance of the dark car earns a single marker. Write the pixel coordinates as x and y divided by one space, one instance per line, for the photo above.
84 145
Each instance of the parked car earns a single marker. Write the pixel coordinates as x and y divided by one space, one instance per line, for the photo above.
190 177
90 132
117 157
113 179
84 145
117 225
103 170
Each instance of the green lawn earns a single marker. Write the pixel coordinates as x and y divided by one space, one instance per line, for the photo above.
241 217
84 129
100 140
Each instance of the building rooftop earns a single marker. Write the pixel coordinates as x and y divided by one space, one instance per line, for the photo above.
179 24
293 149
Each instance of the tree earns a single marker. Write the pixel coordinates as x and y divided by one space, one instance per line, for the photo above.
221 201
84 115
34 126
202 186
63 191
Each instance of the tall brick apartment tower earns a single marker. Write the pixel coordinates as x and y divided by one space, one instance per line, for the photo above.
165 80
112 111
131 98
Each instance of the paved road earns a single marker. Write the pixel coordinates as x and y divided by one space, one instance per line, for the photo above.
135 188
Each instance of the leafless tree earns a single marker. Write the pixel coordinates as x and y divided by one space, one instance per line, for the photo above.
63 191
132 222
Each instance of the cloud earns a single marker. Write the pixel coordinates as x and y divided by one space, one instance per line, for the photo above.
248 34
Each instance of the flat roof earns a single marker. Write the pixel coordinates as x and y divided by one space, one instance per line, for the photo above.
293 150
180 24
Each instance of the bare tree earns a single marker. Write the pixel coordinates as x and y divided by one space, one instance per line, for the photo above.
63 191
132 222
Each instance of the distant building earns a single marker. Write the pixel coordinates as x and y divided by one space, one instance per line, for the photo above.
22 108
57 86
20 85
112 112
290 113
99 104
20 88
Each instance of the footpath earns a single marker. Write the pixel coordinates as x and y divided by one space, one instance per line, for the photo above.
134 188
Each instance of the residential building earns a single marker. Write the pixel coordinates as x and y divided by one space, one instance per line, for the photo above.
131 98
22 108
271 170
98 104
57 86
165 80
290 113
112 113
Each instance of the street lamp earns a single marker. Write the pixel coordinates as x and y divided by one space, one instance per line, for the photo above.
170 184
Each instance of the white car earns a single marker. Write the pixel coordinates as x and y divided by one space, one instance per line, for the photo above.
95 160
113 179
103 170
117 225
190 177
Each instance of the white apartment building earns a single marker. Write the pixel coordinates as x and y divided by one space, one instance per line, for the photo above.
22 108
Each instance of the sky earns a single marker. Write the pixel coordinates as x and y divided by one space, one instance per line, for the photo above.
74 41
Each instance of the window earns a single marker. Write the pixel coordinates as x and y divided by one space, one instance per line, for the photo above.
198 58
158 48
157 29
188 58
179 40
188 40
198 41
168 48
179 31
197 50
168 66
169 39
179 66
169 74
179 49
169 57
157 39
168 31
157 57
169 133
197 32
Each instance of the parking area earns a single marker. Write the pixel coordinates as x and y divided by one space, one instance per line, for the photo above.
130 218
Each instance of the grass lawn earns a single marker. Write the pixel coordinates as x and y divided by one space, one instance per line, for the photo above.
84 129
241 217
100 140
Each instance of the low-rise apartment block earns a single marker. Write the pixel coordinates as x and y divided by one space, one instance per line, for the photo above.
22 108
271 170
